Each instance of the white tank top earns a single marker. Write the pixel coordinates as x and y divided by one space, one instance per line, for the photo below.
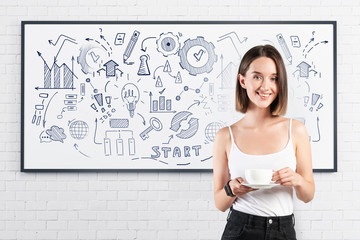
276 201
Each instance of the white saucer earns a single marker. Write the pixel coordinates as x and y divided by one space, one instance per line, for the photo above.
261 186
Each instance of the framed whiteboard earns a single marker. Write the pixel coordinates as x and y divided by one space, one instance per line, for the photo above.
122 96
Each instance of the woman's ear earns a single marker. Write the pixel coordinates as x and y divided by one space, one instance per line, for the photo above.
241 80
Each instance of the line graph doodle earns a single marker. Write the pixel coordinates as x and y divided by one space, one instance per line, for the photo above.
232 36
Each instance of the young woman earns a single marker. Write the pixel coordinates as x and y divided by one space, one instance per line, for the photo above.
262 139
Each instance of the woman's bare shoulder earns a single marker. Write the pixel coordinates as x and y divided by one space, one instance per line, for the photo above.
299 131
298 127
223 133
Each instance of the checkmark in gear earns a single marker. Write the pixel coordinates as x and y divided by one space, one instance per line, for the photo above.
200 48
199 55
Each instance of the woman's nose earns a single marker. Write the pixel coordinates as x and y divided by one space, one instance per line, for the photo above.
265 85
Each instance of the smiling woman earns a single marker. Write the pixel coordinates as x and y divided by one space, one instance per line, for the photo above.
262 139
257 58
261 87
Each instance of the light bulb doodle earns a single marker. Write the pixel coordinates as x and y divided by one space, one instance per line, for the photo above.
130 95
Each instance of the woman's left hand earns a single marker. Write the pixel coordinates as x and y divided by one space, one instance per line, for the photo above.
287 177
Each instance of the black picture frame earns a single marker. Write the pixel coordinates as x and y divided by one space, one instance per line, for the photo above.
26 24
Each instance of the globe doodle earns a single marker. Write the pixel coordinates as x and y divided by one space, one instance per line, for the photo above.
211 130
79 129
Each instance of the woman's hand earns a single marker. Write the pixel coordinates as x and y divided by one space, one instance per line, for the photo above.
238 188
287 177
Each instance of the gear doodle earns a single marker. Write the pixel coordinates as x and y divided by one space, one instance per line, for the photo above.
168 44
197 56
90 58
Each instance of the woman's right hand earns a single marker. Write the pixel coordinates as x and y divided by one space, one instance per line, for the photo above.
238 188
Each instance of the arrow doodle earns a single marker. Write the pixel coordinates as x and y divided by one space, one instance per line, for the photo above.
143 122
55 58
318 130
44 121
103 38
142 44
62 35
316 44
96 123
196 102
170 137
76 147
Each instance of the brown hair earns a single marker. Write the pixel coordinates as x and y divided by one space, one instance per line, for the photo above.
279 105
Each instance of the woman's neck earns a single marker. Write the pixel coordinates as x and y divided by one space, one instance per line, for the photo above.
257 117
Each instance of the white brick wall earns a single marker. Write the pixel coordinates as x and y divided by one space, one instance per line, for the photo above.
166 205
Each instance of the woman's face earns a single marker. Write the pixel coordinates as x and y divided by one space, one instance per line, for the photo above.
260 82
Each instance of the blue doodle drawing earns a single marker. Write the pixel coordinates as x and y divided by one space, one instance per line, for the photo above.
130 95
231 35
78 129
197 90
160 105
184 133
120 136
144 67
168 44
295 41
155 124
284 47
119 39
57 77
110 68
203 56
90 58
56 134
130 47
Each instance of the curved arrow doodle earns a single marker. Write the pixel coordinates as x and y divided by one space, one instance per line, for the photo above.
170 137
76 147
103 38
196 102
44 121
95 132
318 130
157 69
142 119
322 42
142 44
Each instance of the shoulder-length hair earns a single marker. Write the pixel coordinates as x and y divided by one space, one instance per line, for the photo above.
279 105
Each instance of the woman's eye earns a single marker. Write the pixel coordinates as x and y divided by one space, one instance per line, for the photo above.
257 77
274 79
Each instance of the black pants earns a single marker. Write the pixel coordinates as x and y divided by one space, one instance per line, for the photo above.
242 226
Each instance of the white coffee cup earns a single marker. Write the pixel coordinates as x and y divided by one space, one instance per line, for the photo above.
258 176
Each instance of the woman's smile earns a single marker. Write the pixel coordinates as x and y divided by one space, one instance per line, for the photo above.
263 96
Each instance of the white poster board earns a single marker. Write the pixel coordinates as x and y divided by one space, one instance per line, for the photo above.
151 95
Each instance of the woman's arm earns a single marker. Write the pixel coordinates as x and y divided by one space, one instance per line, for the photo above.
221 172
302 180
